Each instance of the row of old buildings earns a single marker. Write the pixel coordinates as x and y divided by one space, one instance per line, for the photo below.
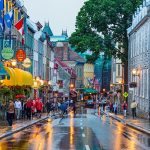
139 59
138 62
52 59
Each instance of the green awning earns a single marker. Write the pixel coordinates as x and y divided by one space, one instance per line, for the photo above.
90 91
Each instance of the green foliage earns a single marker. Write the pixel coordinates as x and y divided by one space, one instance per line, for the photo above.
5 91
100 24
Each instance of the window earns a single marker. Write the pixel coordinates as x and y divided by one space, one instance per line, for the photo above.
118 69
147 93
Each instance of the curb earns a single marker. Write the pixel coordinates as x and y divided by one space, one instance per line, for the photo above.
21 128
129 124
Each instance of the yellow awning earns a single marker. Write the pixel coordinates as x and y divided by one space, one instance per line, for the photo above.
18 77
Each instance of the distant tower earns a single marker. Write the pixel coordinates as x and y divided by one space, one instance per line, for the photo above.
64 33
47 29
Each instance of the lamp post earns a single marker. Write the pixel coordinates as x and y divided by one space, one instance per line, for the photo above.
136 72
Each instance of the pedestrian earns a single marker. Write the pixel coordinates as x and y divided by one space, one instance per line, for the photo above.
48 106
74 107
124 107
133 108
115 106
18 108
63 108
39 107
10 113
3 109
29 105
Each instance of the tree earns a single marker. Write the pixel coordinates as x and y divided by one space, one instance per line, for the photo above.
101 24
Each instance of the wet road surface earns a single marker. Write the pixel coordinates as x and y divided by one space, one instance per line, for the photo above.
81 132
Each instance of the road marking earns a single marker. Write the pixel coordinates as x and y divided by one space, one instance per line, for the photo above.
83 135
87 147
82 128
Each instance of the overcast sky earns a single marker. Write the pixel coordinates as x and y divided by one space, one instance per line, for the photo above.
61 14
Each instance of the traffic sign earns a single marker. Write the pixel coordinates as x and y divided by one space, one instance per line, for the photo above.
125 94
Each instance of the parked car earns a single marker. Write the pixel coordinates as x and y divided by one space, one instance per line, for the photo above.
89 103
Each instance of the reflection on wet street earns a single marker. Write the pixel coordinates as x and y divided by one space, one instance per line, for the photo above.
80 132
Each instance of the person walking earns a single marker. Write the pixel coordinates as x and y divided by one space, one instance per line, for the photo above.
29 105
124 107
3 109
115 106
39 107
48 106
133 108
10 113
18 108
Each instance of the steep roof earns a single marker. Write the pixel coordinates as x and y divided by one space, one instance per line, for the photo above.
31 25
72 55
70 70
75 56
47 29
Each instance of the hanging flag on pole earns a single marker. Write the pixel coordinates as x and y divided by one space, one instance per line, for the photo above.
1 5
8 17
20 27
1 15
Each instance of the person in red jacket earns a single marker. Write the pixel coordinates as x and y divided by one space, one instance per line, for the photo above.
29 105
39 107
124 107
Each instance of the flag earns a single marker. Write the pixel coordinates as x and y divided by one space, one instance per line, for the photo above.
20 27
1 15
1 5
8 17
1 23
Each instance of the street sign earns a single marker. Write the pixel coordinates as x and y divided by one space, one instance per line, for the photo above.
125 94
20 55
7 53
27 63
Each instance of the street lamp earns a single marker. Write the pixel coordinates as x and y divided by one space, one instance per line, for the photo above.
13 62
71 85
1 82
49 82
136 72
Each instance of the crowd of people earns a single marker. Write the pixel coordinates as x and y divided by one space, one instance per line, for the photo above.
26 109
20 109
116 107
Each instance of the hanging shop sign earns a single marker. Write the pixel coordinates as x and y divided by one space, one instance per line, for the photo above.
27 63
7 43
20 55
125 94
7 53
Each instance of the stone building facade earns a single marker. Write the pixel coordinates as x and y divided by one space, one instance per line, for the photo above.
139 59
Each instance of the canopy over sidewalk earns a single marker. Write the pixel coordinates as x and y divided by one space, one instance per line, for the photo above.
18 77
90 91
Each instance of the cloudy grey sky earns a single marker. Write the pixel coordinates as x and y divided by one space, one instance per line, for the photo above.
61 14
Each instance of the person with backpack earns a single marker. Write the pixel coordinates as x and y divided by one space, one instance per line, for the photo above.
124 107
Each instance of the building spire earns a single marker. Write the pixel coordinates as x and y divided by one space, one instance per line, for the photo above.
64 32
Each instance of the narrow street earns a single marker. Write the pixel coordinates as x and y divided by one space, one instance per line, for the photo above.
85 131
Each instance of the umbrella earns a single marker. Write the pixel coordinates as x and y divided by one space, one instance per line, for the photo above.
20 96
